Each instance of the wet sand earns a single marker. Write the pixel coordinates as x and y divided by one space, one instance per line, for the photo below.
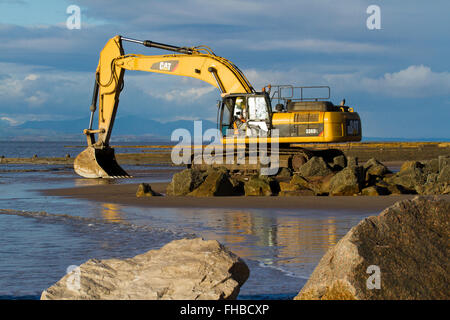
125 194
392 154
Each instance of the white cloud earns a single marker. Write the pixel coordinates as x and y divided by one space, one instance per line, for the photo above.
309 45
178 90
11 121
32 86
414 81
180 95
38 98
411 82
32 77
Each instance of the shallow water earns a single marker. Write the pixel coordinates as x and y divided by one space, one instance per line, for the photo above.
281 247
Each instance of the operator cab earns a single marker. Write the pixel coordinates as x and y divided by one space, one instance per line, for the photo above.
245 114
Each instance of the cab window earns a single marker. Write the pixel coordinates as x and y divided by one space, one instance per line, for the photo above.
257 109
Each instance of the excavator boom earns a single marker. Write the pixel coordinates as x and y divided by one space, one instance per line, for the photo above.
98 160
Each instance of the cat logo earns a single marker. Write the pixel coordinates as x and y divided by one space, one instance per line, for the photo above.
169 65
165 66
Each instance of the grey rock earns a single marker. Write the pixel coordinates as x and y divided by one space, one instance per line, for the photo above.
444 175
217 183
315 166
259 186
352 161
431 166
375 191
373 168
346 182
408 242
185 182
409 177
284 173
434 188
339 162
187 269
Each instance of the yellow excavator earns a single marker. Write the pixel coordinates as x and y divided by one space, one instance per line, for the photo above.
298 119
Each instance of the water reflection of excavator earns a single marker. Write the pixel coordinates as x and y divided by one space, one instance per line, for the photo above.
242 109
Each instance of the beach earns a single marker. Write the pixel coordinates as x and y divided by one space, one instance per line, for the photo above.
52 219
126 195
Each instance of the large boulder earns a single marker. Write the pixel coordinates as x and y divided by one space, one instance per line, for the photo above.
217 183
339 162
409 177
315 166
403 253
346 182
187 269
431 166
317 184
412 164
373 169
375 191
259 186
288 189
284 173
393 189
444 175
431 188
185 182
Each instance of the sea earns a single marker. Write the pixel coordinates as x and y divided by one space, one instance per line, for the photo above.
42 237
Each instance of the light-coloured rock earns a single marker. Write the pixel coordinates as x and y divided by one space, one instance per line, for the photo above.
258 186
284 173
346 182
409 178
217 183
287 186
299 181
408 242
319 185
408 165
339 162
391 188
352 161
444 175
315 166
431 166
374 168
434 188
187 269
185 181
371 191
296 193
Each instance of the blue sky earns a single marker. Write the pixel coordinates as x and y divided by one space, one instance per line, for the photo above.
397 78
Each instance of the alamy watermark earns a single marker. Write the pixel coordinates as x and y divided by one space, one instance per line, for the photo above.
73 281
374 281
74 20
235 149
373 22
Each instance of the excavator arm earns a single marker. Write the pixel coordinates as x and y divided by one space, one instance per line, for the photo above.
199 62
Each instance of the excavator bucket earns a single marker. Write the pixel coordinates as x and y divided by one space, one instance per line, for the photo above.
98 163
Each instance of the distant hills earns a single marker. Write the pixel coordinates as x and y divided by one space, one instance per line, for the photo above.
126 128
